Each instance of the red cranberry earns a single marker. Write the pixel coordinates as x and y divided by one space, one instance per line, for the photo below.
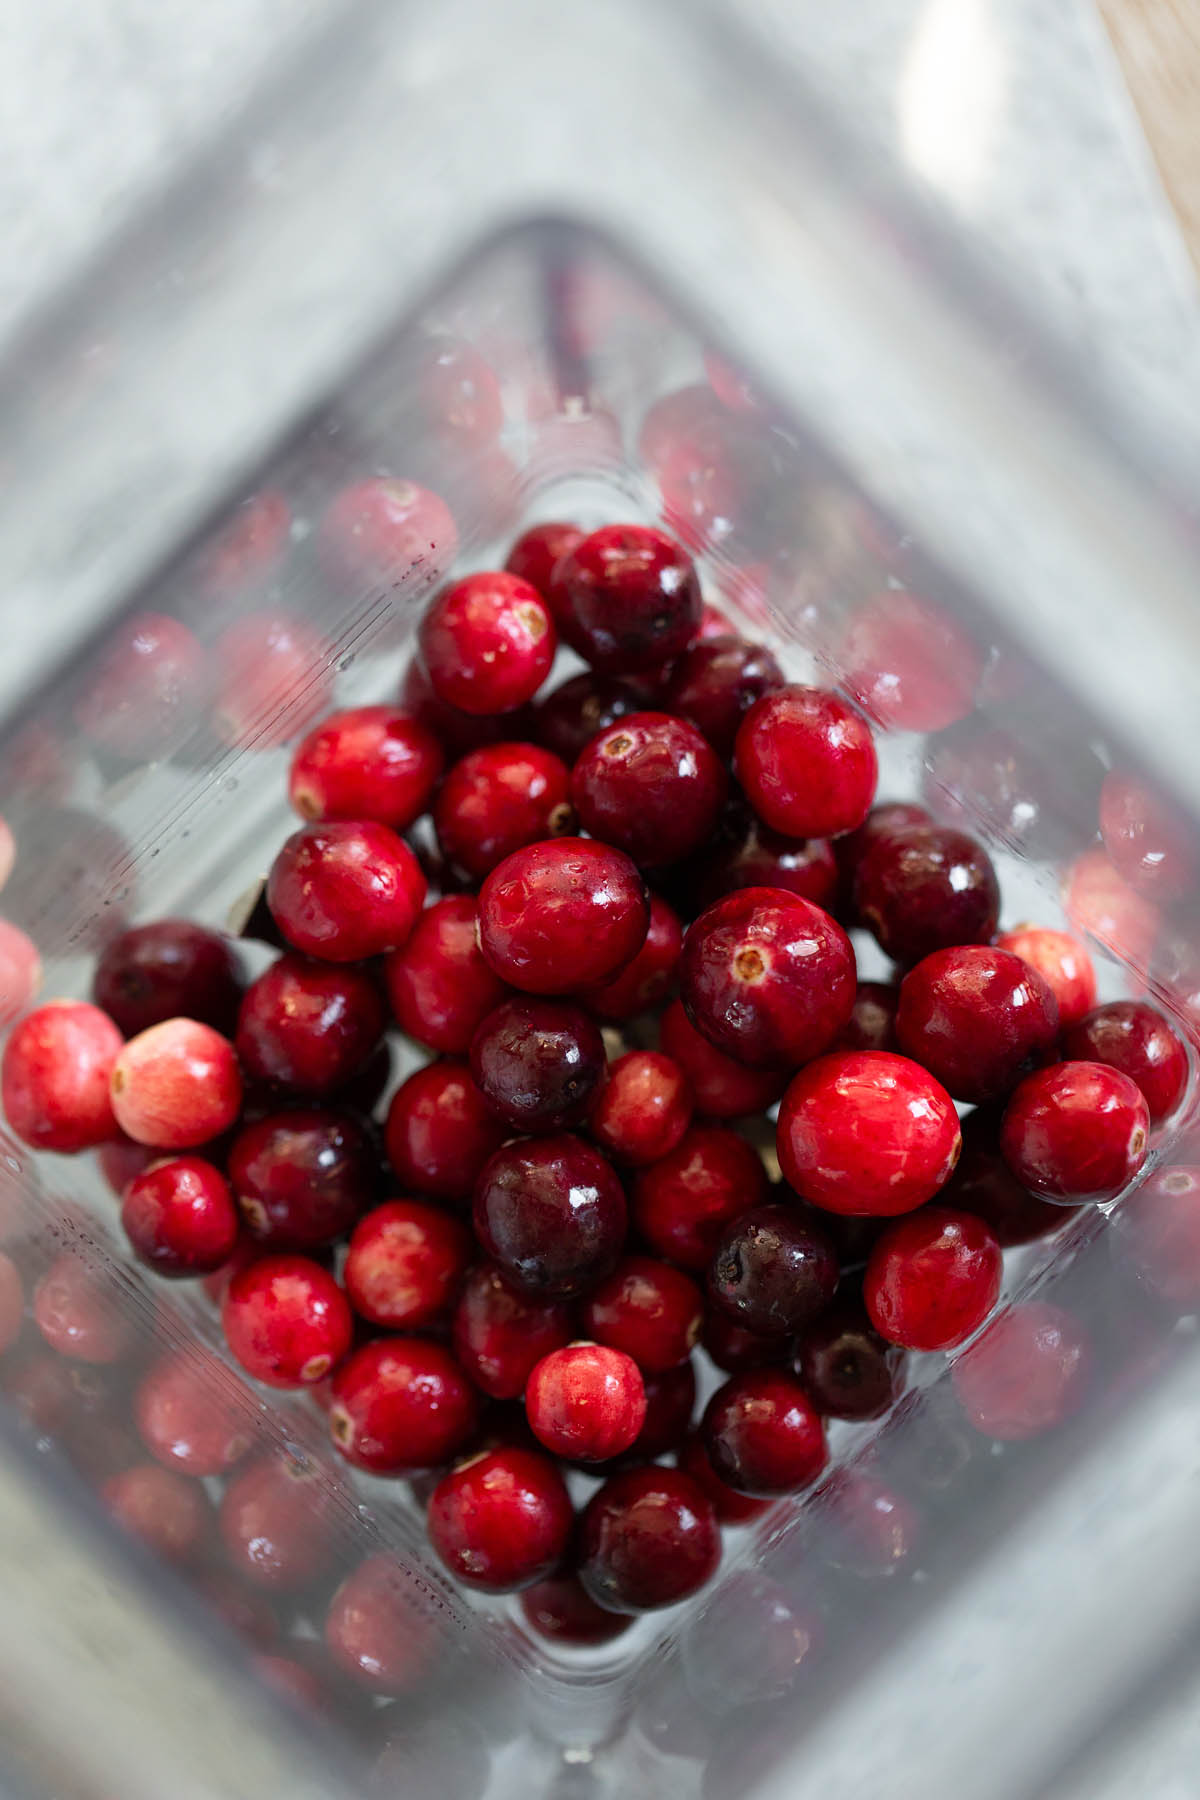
630 598
176 1086
12 1303
924 889
249 548
440 986
147 688
1100 902
586 1402
730 1507
733 1348
499 799
1134 1038
382 531
651 785
55 1076
345 891
536 553
682 1204
871 1529
716 682
369 762
564 915
762 1434
1063 964
499 1332
308 1026
180 1218
286 1321
551 1212
978 1019
20 972
647 1539
670 1402
721 1087
274 675
807 762
559 1608
1151 844
983 1184
867 1132
932 1279
401 1403
648 979
647 1309
404 1264
458 732
570 715
79 1313
1156 1236
847 1369
441 1131
1027 1373
379 1628
1077 1131
872 1021
169 970
643 1109
909 662
759 857
278 1522
773 1271
302 1178
538 1063
168 1513
195 1415
488 642
501 1520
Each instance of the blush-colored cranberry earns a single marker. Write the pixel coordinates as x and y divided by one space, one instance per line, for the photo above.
909 662
180 1218
176 1086
773 1271
379 1628
733 1348
441 1131
630 598
404 1264
551 1212
1151 844
716 682
978 1019
369 762
867 1132
767 977
307 1025
302 1178
147 688
762 1434
586 1402
249 549
1063 964
501 1520
647 1539
1135 1038
499 1332
382 532
20 972
1027 1373
168 1513
570 715
460 392
488 642
564 915
274 679
848 1370
682 1204
759 857
79 1313
1156 1236
537 552
647 1309
983 1184
286 1321
195 1415
538 1063
278 1522
926 888
1075 1132
498 799
345 891
643 1109
55 1076
559 1608
1099 901
872 1021
440 985
722 1087
730 1507
12 1303
806 760
649 977
651 785
401 1403
932 1279
168 970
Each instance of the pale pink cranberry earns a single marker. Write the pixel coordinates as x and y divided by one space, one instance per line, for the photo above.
274 678
279 1522
909 662
169 1513
55 1076
176 1085
1155 1237
369 762
1152 846
384 532
20 972
460 391
1099 901
78 1312
1026 1374
1063 964
147 688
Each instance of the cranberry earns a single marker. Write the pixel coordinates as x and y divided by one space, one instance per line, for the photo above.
380 1628
147 688
1028 1372
651 785
458 732
721 1087
1099 901
79 1312
716 682
194 1415
871 1530
848 1370
275 674
499 799
562 1610
648 979
404 1264
909 662
881 822
20 972
767 977
647 1309
1156 1236
682 1204
302 1178
401 1403
441 1131
983 1184
730 1507
564 915
932 1279
439 984
773 1271
670 1402
248 550
277 1521
55 1076
460 392
570 715
1150 843
762 1434
180 1218
176 1085
647 1539
733 1348
1077 1131
501 1520
536 553
169 970
643 1109
12 1303
308 1026
551 1211
286 1321
345 891
978 1019
756 856
499 1332
1063 964
369 762
488 642
807 762
630 599
168 1513
538 1063
1134 1038
380 532
586 1402
872 1021
926 888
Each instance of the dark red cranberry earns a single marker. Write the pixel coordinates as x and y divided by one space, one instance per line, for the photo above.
308 1025
168 970
345 891
380 1628
649 977
909 662
570 715
551 1212
168 1513
55 1076
274 678
369 762
983 1184
773 1271
1135 1038
501 1520
79 1312
932 1279
500 1332
286 1321
405 1263
458 732
978 1019
1027 1373
756 856
733 1348
1152 845
146 689
870 1529
1063 964
682 1204
487 642
730 1507
176 1086
1075 1132
647 1539
180 1218
401 1403
441 1131
716 682
872 1021
722 1087
535 555
807 763
559 1608
586 1402
538 1063
563 915
882 821
1155 1236
863 1131
767 977
630 598
302 1178
670 1403
651 785
647 1309
278 1523
643 1109
498 799
847 1369
924 889
762 1433
1100 903
440 985
194 1414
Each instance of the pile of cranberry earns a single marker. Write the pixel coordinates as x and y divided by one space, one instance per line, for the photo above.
646 876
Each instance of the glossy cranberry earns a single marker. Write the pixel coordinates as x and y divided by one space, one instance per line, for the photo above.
643 1109
458 732
1063 964
380 1628
932 1279
536 554
716 682
20 972
383 532
559 916
586 1402
867 1132
630 598
286 1321
345 891
570 715
978 1019
1099 902
872 1021
488 642
647 1309
773 1271
55 1076
440 986
176 1086
722 1087
551 1212
441 1131
870 1529
500 1332
1155 1236
1135 1038
670 1403
1151 844
12 1303
756 856
909 662
79 1312
369 762
308 1026
649 977
847 1369
651 785
767 977
730 1507
926 888
647 1539
733 1348
1027 1373
250 548
278 1522
180 1218
1075 1132
501 1520
168 970
538 1063
682 1204
302 1178
807 763
146 689
274 679
195 1415
168 1513
401 1403
498 799
762 1434
983 1184
404 1264
560 1609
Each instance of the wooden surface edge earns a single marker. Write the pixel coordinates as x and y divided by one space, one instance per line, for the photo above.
1157 43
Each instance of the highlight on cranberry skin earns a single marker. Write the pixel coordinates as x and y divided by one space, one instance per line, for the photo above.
193 1414
286 1320
1136 1039
345 891
277 1521
551 1211
501 1520
176 1086
1062 962
925 888
368 762
488 642
807 762
79 1312
932 1279
1026 1374
1078 1131
586 1402
55 1076
909 662
648 1538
